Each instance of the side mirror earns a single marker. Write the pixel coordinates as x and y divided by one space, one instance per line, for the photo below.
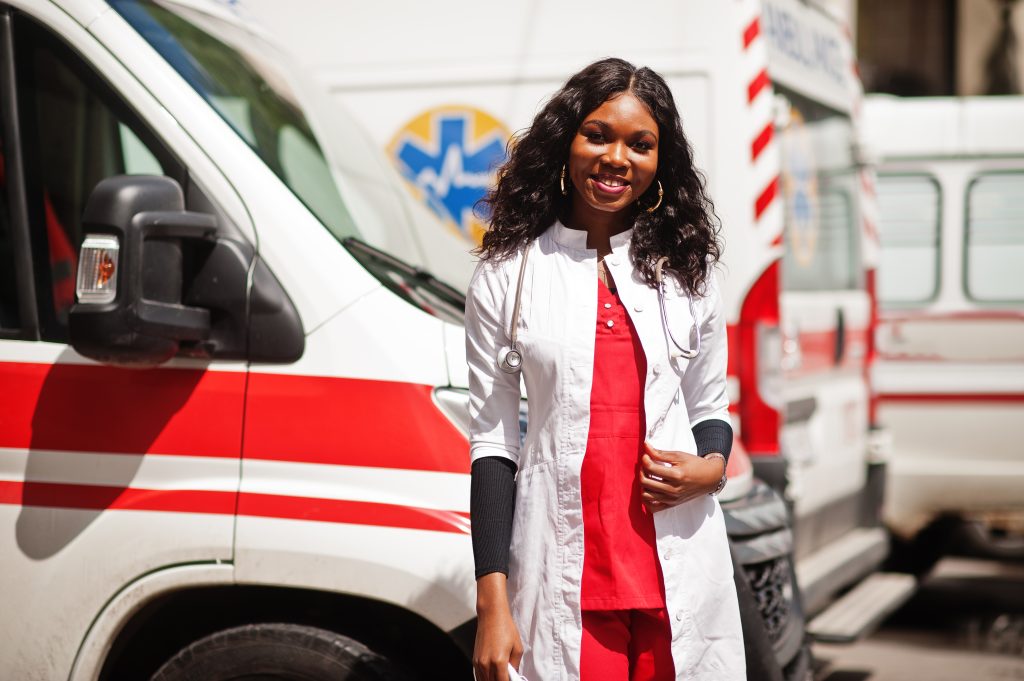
155 281
131 269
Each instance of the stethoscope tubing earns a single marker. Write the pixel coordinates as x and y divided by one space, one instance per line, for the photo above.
687 353
510 359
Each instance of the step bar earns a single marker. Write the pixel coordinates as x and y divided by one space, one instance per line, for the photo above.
863 608
845 561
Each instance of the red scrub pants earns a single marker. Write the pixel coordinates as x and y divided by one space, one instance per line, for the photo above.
626 645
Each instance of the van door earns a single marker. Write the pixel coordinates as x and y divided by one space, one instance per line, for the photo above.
825 322
106 474
951 343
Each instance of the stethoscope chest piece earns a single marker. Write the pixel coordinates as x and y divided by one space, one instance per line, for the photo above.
510 360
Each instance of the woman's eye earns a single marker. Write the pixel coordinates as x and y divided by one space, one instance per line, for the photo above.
643 146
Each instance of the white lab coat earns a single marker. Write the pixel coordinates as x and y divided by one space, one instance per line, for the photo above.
556 337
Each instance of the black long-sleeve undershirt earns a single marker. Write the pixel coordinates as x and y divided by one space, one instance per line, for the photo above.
492 498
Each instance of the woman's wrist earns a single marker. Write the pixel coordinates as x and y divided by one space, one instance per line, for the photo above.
491 593
716 458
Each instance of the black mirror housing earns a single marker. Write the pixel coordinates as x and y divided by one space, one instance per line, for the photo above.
146 322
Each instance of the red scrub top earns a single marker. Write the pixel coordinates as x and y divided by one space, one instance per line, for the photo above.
620 560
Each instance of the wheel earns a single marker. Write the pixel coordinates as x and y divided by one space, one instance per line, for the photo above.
278 652
775 641
776 646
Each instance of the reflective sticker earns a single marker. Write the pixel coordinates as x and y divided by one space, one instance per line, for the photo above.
449 155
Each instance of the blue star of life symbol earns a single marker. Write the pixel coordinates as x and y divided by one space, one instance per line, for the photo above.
452 174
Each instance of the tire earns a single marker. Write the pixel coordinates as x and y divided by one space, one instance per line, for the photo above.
279 652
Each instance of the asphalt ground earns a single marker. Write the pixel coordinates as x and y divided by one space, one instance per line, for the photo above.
965 623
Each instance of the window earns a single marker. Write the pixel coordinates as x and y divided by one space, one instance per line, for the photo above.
248 90
994 239
818 185
76 132
909 229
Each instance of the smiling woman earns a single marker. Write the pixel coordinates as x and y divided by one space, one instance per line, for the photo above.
604 520
613 158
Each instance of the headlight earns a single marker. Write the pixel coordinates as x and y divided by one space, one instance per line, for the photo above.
454 403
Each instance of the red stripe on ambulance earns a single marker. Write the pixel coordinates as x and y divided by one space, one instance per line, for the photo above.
191 412
760 82
102 497
761 141
355 422
108 498
93 408
751 32
766 197
352 512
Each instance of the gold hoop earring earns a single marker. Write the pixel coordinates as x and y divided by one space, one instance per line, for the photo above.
661 194
561 182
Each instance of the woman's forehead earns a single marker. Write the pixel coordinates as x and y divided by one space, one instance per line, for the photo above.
623 108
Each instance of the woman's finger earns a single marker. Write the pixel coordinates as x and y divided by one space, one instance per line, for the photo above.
667 455
517 654
658 486
659 498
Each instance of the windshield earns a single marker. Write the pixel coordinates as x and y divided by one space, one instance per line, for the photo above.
229 62
819 187
246 89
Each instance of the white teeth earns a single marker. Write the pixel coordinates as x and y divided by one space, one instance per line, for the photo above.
611 183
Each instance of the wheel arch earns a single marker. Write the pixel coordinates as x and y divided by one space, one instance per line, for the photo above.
161 613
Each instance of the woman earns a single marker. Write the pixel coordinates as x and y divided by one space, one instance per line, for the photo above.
604 520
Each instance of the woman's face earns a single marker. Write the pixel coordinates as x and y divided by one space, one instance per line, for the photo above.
614 156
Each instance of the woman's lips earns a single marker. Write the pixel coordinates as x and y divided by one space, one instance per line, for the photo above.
608 184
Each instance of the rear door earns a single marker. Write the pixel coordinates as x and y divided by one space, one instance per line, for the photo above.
825 320
951 337
106 474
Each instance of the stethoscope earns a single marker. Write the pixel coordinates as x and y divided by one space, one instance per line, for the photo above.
510 359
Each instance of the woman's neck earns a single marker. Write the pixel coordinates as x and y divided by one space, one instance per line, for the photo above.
600 226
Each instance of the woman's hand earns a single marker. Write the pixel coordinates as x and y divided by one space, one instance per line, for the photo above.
497 638
686 477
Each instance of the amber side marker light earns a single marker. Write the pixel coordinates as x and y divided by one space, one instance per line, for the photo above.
97 269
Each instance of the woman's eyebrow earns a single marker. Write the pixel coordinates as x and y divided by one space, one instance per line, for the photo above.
602 124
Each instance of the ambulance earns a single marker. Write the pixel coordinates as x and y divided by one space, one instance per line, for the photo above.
770 100
233 416
950 370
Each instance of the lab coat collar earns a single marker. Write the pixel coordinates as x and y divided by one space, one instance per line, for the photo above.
576 239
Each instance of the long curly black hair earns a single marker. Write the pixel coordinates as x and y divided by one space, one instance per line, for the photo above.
527 197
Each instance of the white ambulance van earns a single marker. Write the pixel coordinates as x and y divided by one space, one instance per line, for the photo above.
769 98
233 406
950 371
286 481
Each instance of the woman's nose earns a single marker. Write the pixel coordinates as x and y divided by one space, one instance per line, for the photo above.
615 155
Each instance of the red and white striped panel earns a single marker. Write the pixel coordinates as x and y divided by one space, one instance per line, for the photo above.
766 208
87 436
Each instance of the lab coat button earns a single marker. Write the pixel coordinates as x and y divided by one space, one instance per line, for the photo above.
638 308
657 369
679 616
613 261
